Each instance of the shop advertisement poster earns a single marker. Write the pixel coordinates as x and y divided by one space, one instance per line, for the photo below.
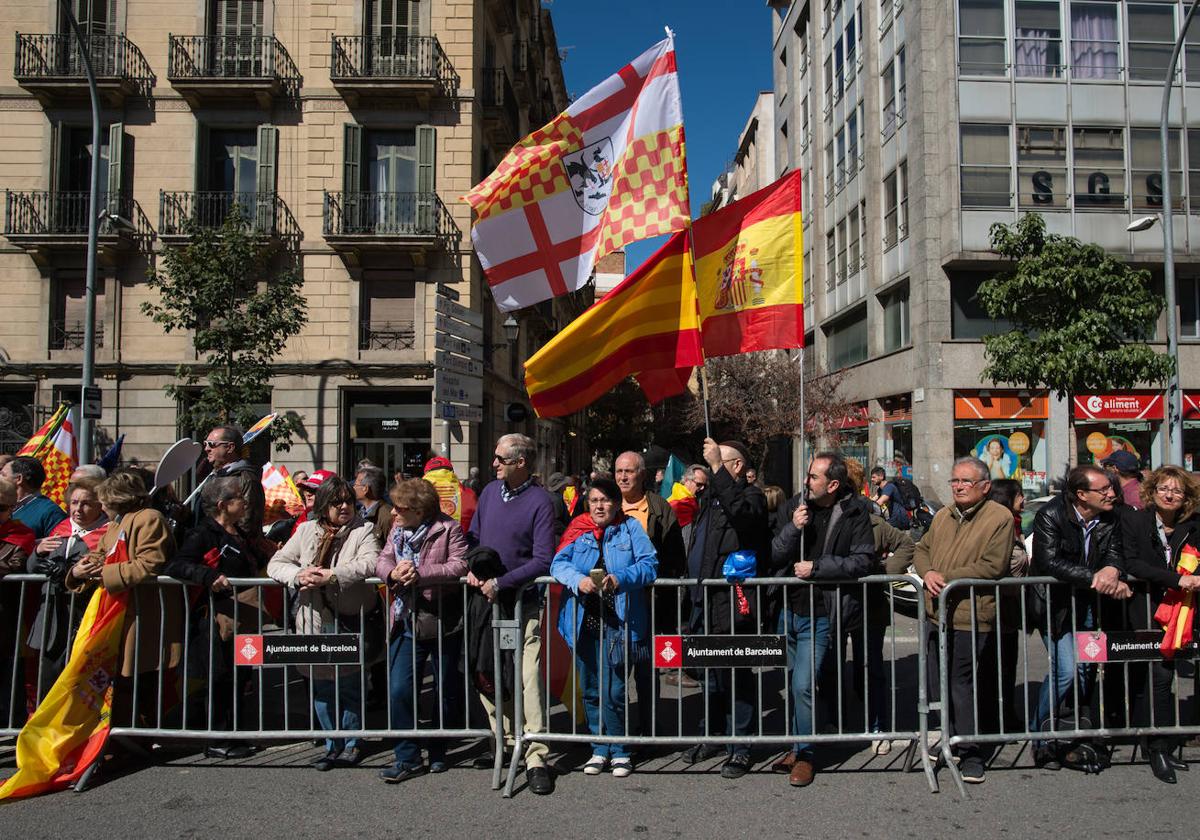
1002 454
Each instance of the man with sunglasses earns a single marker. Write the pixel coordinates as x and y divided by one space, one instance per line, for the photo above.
223 450
1077 539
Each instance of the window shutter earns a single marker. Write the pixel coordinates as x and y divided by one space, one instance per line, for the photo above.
264 185
426 178
202 182
116 155
352 175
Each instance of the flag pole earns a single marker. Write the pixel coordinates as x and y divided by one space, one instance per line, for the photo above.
700 331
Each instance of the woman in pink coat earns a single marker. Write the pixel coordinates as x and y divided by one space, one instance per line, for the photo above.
423 559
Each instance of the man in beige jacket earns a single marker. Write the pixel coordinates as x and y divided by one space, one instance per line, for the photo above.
971 538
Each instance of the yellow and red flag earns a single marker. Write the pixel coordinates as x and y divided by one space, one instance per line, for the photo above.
55 446
608 171
749 272
646 325
283 498
1178 608
68 731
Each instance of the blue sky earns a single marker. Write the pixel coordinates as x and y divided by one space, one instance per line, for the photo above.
723 50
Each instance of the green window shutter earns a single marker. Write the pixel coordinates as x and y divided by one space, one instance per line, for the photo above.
426 178
58 159
201 157
352 174
265 180
116 156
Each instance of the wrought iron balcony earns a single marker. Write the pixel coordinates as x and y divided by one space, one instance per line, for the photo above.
181 213
389 218
225 66
366 64
43 222
51 65
69 335
387 335
501 112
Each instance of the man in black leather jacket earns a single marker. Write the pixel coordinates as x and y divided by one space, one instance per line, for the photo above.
1077 539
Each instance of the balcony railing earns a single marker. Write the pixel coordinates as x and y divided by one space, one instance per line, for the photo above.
500 99
387 335
45 213
389 214
377 58
179 213
69 335
246 58
56 58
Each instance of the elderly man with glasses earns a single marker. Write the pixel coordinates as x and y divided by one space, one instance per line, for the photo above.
970 538
1077 539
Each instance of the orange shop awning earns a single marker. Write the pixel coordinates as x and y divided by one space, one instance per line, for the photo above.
1001 405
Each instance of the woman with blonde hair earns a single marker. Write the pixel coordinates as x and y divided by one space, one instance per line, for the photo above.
1154 539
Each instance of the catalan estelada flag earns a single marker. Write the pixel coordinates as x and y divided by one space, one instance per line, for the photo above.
749 272
55 446
68 731
648 324
608 171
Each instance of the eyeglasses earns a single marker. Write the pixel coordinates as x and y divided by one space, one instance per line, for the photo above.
401 508
1170 492
500 459
1103 491
213 444
965 482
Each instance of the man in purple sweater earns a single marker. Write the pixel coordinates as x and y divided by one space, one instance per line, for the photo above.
515 518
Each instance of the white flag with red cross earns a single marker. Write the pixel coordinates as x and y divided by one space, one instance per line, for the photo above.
608 171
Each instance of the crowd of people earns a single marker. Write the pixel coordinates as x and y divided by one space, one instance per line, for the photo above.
606 538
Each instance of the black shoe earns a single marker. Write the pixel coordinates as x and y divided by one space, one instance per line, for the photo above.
395 774
1175 761
229 750
701 752
737 766
540 781
327 761
1046 759
487 760
1161 767
438 765
351 757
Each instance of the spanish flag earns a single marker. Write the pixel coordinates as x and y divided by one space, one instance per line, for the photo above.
749 272
646 325
1177 612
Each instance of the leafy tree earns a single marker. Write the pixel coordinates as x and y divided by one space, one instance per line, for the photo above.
241 300
1080 317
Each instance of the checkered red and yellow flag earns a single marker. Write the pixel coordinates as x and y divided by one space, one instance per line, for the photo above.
55 446
608 171
282 497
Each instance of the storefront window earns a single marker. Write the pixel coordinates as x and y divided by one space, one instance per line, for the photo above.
1096 441
897 435
1191 430
1007 431
1130 421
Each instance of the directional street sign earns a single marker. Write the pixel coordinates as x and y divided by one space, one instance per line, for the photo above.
443 289
454 387
454 344
462 413
468 332
457 364
454 310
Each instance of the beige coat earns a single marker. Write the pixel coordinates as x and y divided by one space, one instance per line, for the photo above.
353 561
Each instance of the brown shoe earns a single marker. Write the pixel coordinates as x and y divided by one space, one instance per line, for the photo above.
784 765
802 773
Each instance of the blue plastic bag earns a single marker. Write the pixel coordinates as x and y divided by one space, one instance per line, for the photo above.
739 565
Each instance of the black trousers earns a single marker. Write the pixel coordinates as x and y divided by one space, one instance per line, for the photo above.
966 681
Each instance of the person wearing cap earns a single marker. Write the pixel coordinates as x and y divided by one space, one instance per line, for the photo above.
1129 476
458 501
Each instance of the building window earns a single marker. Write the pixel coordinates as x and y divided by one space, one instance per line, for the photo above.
901 87
846 341
840 146
841 251
852 145
888 89
830 169
69 312
895 319
1145 168
828 88
986 166
839 69
890 219
968 319
1191 54
388 311
1041 167
1151 31
902 189
1187 293
1038 45
783 150
1095 46
981 38
1099 168
781 75
854 244
830 261
1193 137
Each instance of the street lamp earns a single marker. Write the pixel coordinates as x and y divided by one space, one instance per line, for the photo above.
1144 223
1174 395
511 329
89 318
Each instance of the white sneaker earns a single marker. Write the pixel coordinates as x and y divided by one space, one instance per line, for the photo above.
881 747
595 765
622 767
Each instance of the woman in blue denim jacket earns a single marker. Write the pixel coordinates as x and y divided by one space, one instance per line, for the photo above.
604 616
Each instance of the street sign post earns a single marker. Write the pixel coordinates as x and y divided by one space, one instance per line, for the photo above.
469 332
455 387
461 413
92 402
457 364
454 344
451 309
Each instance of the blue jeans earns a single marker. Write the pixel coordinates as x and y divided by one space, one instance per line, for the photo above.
807 642
406 668
1062 676
328 695
611 667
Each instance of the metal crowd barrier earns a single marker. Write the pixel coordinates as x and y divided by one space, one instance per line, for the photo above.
1103 700
199 688
903 721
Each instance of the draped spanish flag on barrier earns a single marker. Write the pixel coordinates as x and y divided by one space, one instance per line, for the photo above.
68 731
55 446
647 323
749 272
1178 608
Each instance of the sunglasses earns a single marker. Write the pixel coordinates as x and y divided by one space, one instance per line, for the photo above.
213 444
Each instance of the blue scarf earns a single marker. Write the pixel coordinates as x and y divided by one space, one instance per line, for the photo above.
407 544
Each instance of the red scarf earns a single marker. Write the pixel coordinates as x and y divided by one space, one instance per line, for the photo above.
583 524
18 534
